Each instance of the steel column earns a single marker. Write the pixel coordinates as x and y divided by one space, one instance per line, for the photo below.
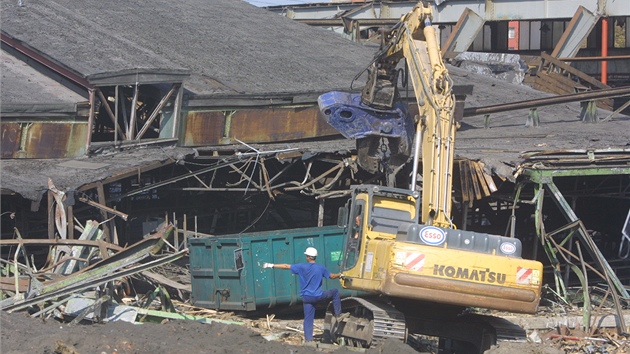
604 79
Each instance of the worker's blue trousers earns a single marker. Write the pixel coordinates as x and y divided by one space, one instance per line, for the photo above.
309 309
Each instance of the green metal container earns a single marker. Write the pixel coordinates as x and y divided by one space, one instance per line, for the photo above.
227 272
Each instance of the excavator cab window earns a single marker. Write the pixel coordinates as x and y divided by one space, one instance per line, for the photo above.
355 235
388 220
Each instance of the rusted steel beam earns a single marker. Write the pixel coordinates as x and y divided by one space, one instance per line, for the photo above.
547 101
254 125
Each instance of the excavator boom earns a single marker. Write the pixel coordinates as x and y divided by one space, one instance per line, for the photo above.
380 113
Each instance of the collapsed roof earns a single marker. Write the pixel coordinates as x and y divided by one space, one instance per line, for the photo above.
232 48
227 46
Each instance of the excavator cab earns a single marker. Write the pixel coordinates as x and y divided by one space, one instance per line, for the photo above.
374 214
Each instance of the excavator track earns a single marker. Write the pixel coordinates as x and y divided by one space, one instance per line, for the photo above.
364 323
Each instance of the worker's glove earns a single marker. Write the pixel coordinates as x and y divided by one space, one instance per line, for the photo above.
268 265
342 276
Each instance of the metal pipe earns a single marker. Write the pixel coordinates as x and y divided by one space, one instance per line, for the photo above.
547 101
116 118
604 79
608 58
416 156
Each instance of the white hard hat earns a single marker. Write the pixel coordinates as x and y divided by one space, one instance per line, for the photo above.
311 252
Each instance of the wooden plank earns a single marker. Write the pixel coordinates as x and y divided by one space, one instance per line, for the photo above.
489 181
469 187
475 180
574 71
8 283
482 180
565 82
550 85
463 179
544 83
529 79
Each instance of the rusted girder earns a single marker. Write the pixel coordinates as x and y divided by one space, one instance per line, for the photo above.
547 101
43 60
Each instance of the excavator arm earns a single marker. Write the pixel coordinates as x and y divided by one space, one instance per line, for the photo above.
379 113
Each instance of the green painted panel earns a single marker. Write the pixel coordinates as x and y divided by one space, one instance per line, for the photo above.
227 271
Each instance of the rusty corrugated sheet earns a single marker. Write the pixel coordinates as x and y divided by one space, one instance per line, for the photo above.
269 125
203 128
10 141
42 140
254 125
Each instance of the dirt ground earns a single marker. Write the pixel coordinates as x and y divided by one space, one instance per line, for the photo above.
23 334
19 333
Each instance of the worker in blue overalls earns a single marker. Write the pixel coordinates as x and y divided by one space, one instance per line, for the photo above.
311 275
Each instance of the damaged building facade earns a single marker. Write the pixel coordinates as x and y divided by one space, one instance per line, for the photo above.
204 115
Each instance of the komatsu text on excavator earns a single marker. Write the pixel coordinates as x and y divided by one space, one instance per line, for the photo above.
402 246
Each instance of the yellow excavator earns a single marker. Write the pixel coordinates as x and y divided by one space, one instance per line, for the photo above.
401 246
